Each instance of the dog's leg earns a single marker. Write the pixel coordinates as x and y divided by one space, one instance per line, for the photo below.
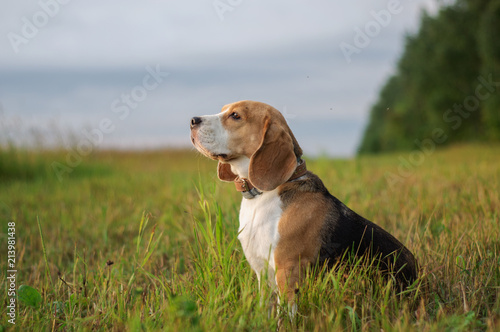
288 281
273 305
292 311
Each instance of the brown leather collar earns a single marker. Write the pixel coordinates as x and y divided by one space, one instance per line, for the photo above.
248 189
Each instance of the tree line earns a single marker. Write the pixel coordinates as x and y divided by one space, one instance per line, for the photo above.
447 82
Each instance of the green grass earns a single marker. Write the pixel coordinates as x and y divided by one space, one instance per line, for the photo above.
145 241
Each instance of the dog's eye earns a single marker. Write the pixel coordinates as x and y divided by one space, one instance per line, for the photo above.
235 116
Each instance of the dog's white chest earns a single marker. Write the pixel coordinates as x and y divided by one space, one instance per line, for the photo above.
258 232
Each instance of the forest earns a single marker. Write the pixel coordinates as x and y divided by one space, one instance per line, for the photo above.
446 83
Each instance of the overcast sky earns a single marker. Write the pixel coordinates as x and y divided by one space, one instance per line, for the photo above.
139 70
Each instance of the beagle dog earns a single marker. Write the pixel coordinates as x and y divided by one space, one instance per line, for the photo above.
288 219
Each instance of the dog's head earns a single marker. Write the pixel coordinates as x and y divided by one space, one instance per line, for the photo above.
253 130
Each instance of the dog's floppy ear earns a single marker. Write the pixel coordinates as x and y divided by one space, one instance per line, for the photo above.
224 172
274 161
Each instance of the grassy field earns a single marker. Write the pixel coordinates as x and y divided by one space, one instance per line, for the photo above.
145 241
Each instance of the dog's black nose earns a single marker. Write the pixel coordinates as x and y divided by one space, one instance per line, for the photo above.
195 121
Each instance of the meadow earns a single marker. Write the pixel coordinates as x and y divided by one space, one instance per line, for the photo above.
146 241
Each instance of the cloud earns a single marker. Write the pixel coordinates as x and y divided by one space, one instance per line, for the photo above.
285 53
